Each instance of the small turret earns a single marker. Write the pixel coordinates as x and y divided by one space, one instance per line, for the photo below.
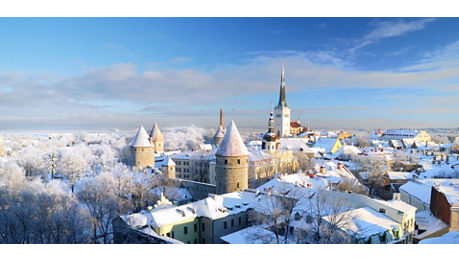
157 139
220 133
270 139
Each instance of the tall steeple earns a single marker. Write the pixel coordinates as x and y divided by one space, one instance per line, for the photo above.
218 136
282 111
282 96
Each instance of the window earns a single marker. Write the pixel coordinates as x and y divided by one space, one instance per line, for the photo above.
238 161
203 227
232 222
195 227
240 220
185 230
173 236
226 162
225 225
381 210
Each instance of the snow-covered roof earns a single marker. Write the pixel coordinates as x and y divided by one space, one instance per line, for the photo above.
156 134
348 149
428 222
214 207
399 175
258 155
399 205
298 144
366 222
252 235
448 238
220 133
141 139
232 144
294 181
168 162
196 155
418 190
326 143
401 132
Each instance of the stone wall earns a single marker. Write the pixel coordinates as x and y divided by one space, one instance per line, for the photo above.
231 174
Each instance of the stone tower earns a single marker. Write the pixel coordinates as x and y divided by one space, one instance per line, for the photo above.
142 152
282 111
270 141
157 139
168 168
220 133
232 159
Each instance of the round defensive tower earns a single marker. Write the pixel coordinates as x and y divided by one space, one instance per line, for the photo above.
232 160
142 152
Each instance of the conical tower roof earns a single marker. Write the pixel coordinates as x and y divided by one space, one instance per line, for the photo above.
220 133
141 139
155 134
232 144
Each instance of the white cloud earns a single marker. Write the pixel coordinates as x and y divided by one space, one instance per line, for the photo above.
121 95
386 29
180 60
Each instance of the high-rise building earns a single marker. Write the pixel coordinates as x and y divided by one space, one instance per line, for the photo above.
282 111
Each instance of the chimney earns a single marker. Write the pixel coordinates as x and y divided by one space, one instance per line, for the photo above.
340 166
322 169
221 117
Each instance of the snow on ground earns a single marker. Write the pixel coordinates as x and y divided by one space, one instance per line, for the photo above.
428 222
448 238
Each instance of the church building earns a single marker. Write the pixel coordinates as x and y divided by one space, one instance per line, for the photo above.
282 111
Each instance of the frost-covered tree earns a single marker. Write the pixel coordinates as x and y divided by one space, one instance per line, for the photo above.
33 212
99 196
318 230
373 166
32 161
72 165
274 211
143 183
305 163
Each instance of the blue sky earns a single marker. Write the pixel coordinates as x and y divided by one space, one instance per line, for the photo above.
96 73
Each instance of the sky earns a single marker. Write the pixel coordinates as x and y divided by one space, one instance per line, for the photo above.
106 73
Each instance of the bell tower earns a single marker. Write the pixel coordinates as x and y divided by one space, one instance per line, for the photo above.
282 111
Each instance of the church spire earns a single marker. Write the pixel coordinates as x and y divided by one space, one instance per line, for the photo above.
282 96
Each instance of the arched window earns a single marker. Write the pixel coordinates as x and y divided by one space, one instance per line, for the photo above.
238 185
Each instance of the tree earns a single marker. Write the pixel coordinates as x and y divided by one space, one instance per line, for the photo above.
274 211
143 183
305 162
31 160
98 195
318 230
72 165
374 167
362 140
